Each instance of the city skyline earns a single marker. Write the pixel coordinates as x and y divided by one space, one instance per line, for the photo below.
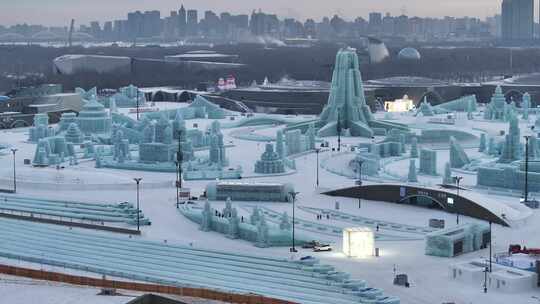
60 12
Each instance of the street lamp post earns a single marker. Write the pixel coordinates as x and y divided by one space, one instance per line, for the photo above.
14 171
137 104
179 160
526 194
138 181
359 181
293 196
485 279
317 152
458 180
338 127
490 242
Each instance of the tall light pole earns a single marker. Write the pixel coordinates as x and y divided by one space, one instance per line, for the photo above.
359 181
179 160
138 181
14 171
338 127
526 192
490 242
317 150
293 196
458 180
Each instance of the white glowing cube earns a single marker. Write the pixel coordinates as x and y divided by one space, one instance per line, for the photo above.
358 242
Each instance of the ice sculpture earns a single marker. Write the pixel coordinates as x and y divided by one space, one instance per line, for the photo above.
458 157
280 144
205 109
270 162
297 143
217 147
447 178
51 151
370 164
41 128
414 148
495 110
256 230
412 176
511 148
385 149
483 143
347 109
492 147
428 162
94 119
463 104
87 95
66 120
526 105
425 108
73 134
457 240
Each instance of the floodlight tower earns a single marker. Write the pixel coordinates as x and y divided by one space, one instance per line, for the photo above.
293 197
179 160
14 171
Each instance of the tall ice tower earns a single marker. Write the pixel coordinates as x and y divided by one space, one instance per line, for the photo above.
346 103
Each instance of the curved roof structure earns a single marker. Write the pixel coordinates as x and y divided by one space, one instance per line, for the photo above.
12 37
467 203
409 53
46 35
407 81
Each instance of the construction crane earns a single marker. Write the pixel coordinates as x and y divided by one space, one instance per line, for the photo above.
70 35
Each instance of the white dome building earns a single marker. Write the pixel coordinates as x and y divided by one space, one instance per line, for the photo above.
409 54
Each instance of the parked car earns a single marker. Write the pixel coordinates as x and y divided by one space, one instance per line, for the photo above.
320 248
310 245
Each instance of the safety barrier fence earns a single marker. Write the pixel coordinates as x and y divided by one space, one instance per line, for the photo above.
142 287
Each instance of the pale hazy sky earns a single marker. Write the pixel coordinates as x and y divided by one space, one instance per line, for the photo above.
59 12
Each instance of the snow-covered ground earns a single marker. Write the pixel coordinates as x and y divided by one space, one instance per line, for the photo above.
429 276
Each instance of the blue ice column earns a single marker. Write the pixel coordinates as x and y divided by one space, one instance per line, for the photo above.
262 233
234 225
512 147
285 224
207 214
414 147
280 144
447 178
483 143
526 105
428 162
492 147
412 177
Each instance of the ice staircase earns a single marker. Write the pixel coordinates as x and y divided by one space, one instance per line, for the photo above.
304 281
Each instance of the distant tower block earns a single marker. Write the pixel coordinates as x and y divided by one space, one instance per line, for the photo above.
347 101
428 162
